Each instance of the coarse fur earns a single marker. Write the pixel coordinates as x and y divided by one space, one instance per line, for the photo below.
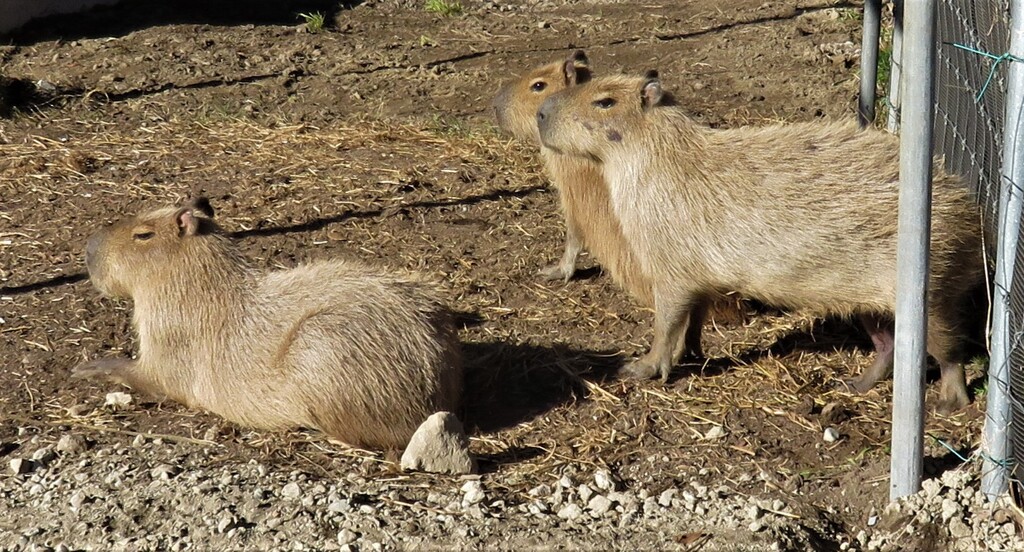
590 221
362 354
800 216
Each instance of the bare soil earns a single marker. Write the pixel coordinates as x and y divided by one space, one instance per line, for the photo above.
374 139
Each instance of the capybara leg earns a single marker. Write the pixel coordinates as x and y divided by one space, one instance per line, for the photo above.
953 388
566 267
945 344
881 333
670 320
690 344
119 370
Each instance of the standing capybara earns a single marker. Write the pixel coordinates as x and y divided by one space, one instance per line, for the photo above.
800 216
361 354
590 221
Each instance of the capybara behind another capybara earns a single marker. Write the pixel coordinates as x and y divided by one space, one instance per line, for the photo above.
363 354
590 221
799 216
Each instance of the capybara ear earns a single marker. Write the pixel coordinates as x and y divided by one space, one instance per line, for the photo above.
651 94
188 224
576 68
201 204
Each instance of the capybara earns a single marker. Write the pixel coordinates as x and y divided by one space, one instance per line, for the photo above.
590 221
364 355
799 216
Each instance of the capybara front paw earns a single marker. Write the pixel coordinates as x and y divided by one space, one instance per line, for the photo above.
556 272
951 405
640 369
856 385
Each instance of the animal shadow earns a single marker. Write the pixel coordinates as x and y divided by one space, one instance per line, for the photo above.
510 383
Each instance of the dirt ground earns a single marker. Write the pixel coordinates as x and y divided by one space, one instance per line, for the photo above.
375 139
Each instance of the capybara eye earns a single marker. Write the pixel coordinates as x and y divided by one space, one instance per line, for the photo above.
538 86
142 236
604 103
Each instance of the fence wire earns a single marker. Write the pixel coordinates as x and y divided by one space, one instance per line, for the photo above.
969 134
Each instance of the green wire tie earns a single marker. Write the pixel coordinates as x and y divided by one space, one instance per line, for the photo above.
992 72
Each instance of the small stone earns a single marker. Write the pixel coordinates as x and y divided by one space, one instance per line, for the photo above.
539 491
20 466
666 496
603 480
570 512
340 506
164 472
1009 529
118 400
872 521
778 505
537 507
931 487
543 25
225 521
291 490
71 444
472 493
716 432
831 435
950 509
958 529
755 526
585 492
565 482
599 505
346 536
439 445
43 456
77 499
650 506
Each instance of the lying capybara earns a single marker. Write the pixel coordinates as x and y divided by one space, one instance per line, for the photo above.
362 354
799 216
590 221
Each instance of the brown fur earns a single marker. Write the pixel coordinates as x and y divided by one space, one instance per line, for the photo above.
361 354
800 216
590 221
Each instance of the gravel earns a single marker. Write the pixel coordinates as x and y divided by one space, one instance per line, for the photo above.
152 495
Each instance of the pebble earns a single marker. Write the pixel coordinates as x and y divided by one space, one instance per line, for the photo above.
603 480
716 432
20 466
291 490
599 505
831 435
585 492
472 493
666 496
71 444
340 506
539 491
570 512
346 537
118 400
164 472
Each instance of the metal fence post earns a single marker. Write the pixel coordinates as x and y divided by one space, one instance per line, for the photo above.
869 61
895 67
996 442
912 249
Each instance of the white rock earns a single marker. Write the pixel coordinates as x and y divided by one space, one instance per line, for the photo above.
570 512
599 505
164 472
831 435
346 536
666 496
291 490
540 491
20 466
716 432
755 526
754 512
439 445
472 493
340 506
585 492
565 482
118 400
43 456
603 480
958 529
950 509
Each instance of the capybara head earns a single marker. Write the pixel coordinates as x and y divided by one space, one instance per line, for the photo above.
607 112
517 102
149 248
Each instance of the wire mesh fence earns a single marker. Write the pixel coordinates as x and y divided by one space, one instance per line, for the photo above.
969 126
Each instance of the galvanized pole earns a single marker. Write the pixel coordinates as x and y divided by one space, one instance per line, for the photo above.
996 442
895 67
869 61
912 249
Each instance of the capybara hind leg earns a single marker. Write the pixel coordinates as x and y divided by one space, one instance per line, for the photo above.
566 267
690 343
670 319
953 388
119 370
881 333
